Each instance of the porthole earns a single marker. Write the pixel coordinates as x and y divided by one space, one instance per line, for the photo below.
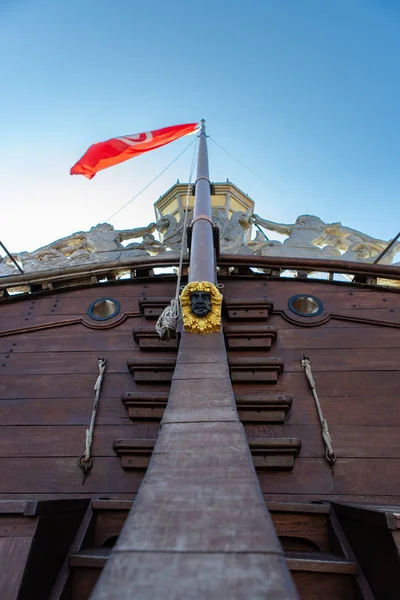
305 306
103 309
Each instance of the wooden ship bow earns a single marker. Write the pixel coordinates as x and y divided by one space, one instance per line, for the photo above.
222 430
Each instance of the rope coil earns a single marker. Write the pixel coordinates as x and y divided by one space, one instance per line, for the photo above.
85 461
168 321
329 452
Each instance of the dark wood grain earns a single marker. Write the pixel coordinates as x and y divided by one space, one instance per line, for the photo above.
334 384
351 476
62 386
13 555
60 441
348 441
32 476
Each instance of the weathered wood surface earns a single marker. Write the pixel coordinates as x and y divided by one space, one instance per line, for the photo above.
14 552
200 505
31 476
372 476
46 389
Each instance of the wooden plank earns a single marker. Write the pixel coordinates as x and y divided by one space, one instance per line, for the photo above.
70 362
17 526
194 575
348 441
317 562
59 441
14 507
367 476
72 337
32 476
62 411
343 337
13 556
70 386
69 496
384 359
329 384
303 498
363 410
133 287
67 305
280 291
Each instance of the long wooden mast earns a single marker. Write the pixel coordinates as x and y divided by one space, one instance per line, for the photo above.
199 527
202 255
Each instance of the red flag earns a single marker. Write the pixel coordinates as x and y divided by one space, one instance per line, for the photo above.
117 150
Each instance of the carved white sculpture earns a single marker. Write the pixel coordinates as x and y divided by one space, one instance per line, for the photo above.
308 237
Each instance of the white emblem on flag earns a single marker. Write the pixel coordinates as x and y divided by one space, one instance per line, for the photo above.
136 138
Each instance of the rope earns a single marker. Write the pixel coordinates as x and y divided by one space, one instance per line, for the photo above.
329 452
151 182
85 461
274 187
167 322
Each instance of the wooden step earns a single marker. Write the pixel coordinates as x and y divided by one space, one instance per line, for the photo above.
274 453
317 575
148 339
262 407
268 453
151 308
319 562
93 558
250 337
152 370
247 309
244 369
145 406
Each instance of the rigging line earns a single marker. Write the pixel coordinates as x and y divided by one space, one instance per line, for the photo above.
151 182
184 232
167 322
253 172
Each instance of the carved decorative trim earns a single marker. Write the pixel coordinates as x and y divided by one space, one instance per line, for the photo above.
151 370
64 323
247 337
134 454
211 322
246 309
255 369
145 406
262 408
320 319
148 339
274 453
267 453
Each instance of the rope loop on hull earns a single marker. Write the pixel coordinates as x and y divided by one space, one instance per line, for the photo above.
85 461
329 452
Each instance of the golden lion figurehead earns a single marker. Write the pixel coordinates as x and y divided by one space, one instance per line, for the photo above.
209 323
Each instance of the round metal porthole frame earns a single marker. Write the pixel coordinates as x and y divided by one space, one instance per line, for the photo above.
293 299
96 302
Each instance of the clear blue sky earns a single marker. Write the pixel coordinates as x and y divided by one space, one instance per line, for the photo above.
306 93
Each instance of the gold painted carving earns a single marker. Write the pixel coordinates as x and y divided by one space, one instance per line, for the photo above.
208 324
